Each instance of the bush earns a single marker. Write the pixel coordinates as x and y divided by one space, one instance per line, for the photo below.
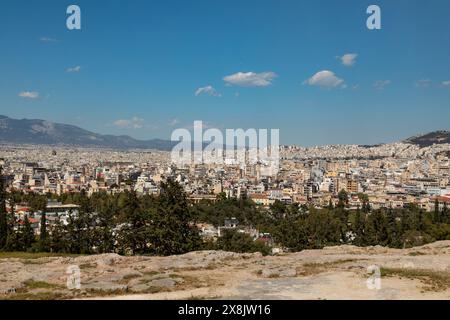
240 242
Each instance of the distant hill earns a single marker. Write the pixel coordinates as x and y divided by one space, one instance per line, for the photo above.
426 140
34 131
42 132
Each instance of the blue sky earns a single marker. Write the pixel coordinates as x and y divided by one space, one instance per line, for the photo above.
136 66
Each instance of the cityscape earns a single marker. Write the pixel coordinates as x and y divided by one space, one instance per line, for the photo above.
391 175
237 153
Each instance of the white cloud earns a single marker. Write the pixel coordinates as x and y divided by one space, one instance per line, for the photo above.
423 83
381 84
47 39
348 59
251 79
173 122
29 94
325 79
446 83
133 123
208 90
74 69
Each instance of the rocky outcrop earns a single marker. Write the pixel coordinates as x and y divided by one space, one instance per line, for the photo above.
330 273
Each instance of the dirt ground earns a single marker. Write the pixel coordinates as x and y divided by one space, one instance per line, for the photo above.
344 272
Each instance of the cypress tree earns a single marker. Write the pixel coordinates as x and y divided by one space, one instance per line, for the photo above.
43 236
27 234
12 240
358 228
437 213
3 217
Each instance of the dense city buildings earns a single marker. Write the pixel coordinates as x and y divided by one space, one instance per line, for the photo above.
390 175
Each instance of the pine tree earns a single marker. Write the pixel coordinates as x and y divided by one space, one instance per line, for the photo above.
102 233
330 205
58 240
291 233
172 231
278 209
376 229
343 198
133 237
392 229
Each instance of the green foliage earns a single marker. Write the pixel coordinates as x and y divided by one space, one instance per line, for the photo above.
163 225
394 228
235 241
292 233
358 227
43 235
245 210
343 198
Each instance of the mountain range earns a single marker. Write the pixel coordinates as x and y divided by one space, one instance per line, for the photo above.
42 132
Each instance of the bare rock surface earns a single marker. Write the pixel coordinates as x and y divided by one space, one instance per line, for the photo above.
342 272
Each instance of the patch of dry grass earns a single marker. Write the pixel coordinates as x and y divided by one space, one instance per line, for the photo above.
416 253
309 269
32 284
85 266
433 280
41 295
192 297
31 255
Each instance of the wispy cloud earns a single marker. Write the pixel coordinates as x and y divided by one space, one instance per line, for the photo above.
251 79
173 122
423 83
348 59
74 69
208 90
133 123
446 83
325 79
29 94
381 84
204 125
47 39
